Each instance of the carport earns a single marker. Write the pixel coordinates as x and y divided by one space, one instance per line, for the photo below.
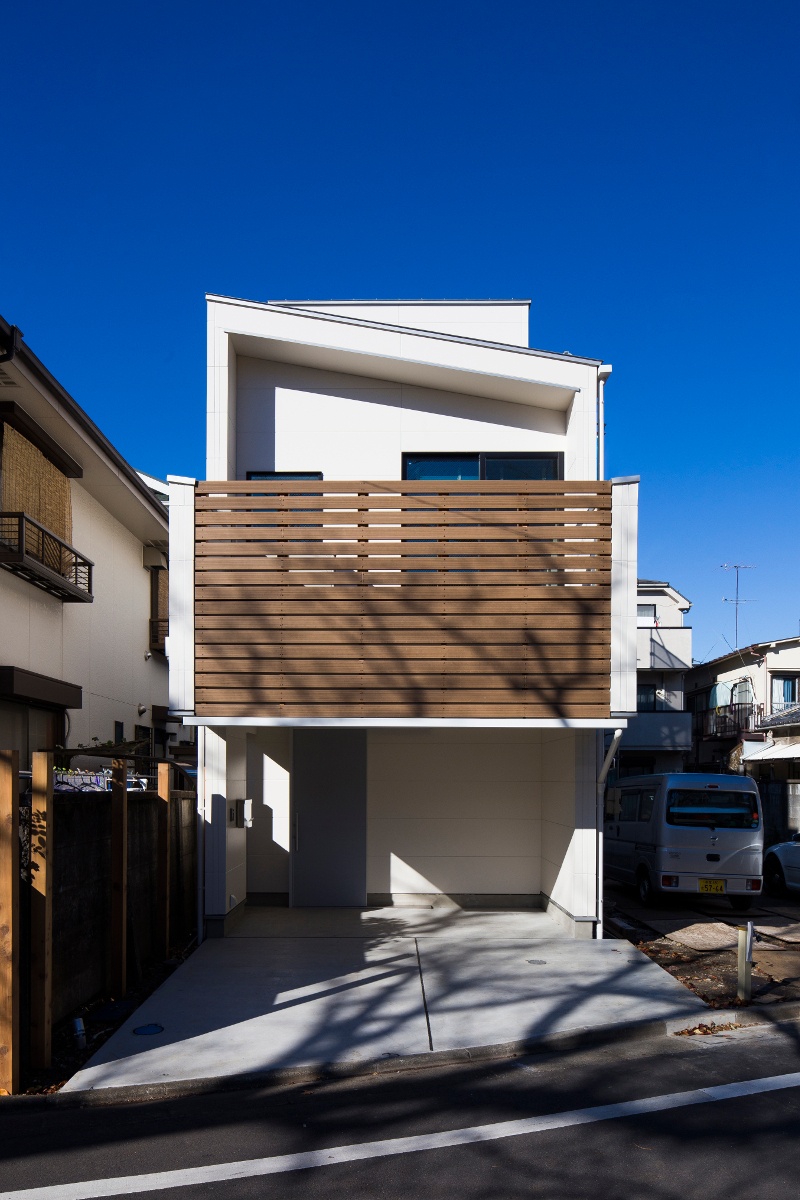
296 990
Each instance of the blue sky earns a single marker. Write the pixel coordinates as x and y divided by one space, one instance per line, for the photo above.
632 167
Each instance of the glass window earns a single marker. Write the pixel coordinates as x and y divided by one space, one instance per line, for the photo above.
441 466
629 806
284 474
784 691
521 466
646 802
717 810
645 697
646 612
494 465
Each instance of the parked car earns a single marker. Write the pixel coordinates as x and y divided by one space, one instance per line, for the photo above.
782 866
691 833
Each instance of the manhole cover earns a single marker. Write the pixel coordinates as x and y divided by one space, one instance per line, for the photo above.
537 962
145 1029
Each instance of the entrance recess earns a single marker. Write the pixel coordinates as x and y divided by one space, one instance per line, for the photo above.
329 818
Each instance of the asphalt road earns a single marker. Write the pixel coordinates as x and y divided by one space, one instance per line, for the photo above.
702 1147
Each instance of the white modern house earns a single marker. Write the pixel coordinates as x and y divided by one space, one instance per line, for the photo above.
659 737
402 610
83 558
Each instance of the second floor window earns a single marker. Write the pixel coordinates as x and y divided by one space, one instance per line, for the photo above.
490 465
784 692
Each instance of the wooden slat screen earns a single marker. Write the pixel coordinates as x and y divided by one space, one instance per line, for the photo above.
411 599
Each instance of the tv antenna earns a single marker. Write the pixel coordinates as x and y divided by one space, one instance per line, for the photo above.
737 567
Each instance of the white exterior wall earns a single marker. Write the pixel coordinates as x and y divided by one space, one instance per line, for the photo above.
299 418
222 779
269 764
240 330
236 838
454 812
100 646
569 810
494 321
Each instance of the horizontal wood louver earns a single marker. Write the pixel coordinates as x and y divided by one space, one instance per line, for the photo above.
468 599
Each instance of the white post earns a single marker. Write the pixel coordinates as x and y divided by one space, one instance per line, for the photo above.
744 962
624 566
180 642
602 775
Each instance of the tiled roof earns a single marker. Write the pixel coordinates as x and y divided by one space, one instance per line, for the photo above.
789 716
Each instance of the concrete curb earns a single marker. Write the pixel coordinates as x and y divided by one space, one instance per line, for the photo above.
778 1015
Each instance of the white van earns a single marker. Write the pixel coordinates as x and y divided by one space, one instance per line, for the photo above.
685 833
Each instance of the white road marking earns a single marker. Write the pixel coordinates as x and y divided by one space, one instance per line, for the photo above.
305 1160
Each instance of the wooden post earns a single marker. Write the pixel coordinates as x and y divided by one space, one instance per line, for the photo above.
118 939
42 909
9 921
163 879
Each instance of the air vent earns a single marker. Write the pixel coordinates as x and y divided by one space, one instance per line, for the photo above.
6 380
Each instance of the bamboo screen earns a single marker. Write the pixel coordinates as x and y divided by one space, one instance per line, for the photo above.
487 599
32 485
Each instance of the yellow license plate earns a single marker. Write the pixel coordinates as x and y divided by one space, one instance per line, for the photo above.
711 885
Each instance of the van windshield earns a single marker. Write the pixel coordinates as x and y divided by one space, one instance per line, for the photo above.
721 810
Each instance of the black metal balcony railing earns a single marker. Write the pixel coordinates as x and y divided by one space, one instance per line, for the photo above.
43 559
159 628
726 722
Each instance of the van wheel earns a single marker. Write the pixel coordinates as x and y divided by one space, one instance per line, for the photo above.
774 878
645 889
741 903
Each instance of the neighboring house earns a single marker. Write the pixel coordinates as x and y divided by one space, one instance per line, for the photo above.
775 764
83 552
659 737
731 696
403 611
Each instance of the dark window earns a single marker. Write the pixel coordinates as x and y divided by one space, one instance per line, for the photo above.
119 733
645 697
629 806
491 465
284 474
441 466
646 802
143 733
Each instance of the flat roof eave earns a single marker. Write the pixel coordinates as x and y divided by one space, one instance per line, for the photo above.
408 722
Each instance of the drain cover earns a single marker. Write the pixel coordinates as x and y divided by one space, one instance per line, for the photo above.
537 962
145 1029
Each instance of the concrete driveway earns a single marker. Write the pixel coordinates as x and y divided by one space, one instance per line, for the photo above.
300 988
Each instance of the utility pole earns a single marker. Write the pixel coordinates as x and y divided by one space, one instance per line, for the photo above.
737 567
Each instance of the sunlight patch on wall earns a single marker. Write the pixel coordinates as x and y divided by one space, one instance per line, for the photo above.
276 797
404 878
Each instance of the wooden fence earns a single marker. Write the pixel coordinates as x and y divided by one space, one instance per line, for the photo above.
93 887
487 599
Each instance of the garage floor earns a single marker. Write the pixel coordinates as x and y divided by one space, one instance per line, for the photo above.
307 987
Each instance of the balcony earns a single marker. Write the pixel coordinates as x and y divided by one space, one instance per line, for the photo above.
458 599
159 630
664 648
730 721
37 555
